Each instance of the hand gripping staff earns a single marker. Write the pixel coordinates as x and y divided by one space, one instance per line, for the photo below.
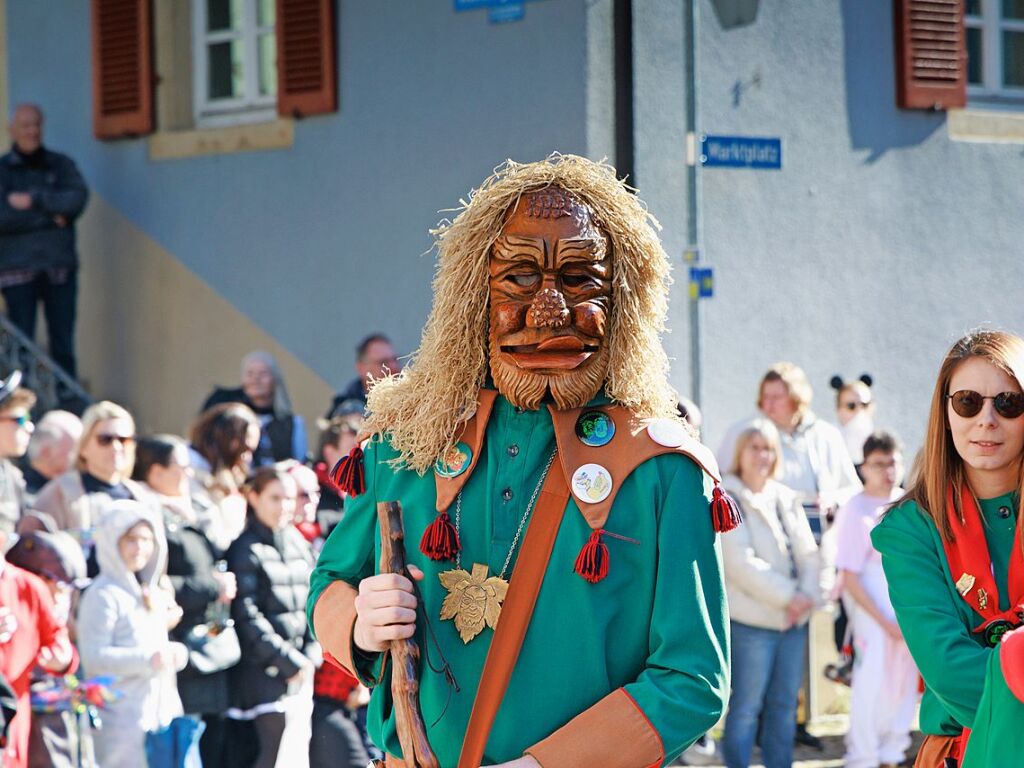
405 654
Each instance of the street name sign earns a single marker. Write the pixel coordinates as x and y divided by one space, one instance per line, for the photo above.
741 152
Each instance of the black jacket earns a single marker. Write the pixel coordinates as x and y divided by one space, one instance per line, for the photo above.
34 239
350 397
272 568
275 434
191 559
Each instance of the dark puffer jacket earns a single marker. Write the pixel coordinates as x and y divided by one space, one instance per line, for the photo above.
191 560
37 238
272 569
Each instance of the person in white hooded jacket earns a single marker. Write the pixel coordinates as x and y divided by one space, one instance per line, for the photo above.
773 582
123 619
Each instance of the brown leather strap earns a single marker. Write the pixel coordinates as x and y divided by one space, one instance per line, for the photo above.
630 446
515 613
935 750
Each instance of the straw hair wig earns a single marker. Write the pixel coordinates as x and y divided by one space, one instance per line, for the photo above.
422 407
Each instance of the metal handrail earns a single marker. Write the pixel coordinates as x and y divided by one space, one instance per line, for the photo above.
54 387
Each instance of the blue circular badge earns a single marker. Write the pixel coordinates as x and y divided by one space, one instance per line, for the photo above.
595 428
454 461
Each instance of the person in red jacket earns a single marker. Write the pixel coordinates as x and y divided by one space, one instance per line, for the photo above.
29 634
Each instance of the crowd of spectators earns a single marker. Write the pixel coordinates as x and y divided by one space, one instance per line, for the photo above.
199 550
196 552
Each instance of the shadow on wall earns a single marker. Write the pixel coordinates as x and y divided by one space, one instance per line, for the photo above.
876 124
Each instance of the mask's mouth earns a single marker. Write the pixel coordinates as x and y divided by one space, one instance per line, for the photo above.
557 353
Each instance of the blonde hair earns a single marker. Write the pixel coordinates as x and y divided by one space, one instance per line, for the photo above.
765 429
421 407
939 464
795 381
91 419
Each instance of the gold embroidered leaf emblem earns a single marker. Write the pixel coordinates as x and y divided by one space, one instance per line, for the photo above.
473 601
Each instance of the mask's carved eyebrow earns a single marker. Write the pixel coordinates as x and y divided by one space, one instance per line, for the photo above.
513 247
587 249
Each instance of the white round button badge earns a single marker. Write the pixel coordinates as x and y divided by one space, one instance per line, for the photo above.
591 483
666 432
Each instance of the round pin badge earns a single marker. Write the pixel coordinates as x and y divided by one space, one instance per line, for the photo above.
994 632
591 483
595 428
455 461
666 432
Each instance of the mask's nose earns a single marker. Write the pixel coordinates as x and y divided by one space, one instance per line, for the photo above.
548 310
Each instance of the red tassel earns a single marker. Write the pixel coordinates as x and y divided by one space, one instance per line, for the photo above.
592 561
725 514
348 475
440 541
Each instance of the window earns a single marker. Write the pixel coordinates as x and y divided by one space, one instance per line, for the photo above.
235 61
995 49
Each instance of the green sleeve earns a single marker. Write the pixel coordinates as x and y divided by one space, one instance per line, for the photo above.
997 738
949 657
684 685
348 553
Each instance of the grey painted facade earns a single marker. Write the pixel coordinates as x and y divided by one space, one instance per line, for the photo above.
879 242
876 245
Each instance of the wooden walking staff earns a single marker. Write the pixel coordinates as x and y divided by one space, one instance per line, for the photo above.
405 654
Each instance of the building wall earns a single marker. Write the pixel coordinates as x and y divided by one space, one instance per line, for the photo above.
306 248
879 242
875 247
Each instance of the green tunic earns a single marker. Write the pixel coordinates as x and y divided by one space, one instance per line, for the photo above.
657 624
964 684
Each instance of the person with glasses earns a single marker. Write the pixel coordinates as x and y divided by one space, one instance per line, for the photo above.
102 473
953 556
855 412
884 695
15 431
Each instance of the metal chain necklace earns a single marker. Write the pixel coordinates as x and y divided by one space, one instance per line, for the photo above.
474 599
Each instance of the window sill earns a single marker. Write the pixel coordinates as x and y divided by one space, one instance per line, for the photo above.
986 125
177 145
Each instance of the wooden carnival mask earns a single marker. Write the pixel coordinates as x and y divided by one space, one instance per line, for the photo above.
550 302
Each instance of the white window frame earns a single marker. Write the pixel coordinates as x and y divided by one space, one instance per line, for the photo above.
992 25
251 107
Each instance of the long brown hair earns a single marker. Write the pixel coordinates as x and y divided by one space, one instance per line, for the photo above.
939 462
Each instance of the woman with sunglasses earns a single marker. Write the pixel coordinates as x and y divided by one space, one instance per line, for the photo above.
104 459
855 412
953 556
15 431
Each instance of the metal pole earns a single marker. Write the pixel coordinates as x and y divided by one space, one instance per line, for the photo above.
690 17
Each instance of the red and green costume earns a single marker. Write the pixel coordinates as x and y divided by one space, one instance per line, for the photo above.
624 668
948 597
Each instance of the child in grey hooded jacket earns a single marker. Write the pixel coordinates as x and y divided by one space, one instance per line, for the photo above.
123 620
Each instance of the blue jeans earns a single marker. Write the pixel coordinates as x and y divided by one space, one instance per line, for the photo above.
767 668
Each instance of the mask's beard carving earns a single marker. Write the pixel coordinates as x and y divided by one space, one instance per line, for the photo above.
526 389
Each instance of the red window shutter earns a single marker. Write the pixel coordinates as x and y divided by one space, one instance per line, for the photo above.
122 68
931 54
306 79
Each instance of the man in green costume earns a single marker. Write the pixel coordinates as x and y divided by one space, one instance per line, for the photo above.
540 372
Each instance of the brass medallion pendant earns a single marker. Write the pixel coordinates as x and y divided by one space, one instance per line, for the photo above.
474 599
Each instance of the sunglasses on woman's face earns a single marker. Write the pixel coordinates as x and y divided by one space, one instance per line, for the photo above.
107 440
968 403
854 406
22 421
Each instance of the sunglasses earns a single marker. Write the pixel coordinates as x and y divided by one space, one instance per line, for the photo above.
968 403
854 406
107 440
22 421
